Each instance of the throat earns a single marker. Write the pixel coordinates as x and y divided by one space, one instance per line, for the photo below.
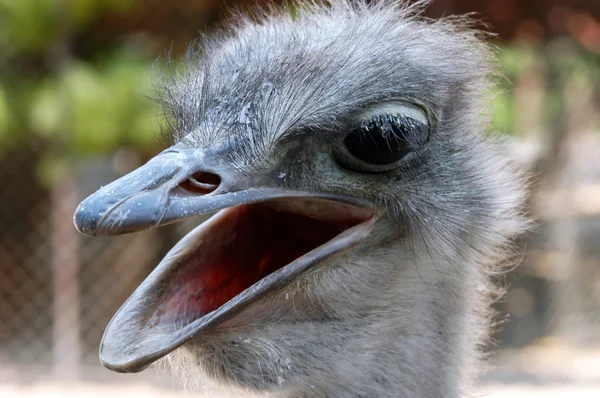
252 242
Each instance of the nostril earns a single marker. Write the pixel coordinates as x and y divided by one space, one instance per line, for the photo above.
204 177
202 182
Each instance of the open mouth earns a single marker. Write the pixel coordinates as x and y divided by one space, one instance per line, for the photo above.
235 258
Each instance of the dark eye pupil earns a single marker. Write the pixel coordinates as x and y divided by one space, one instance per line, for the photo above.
383 140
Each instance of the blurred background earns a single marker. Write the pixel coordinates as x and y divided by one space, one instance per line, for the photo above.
75 76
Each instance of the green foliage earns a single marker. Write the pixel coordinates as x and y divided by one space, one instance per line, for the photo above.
545 69
5 115
96 108
35 25
20 16
84 11
502 112
516 59
9 123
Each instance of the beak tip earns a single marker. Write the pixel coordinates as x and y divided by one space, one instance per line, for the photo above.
86 219
115 365
119 357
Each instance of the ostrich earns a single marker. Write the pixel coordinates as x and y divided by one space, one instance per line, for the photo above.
359 210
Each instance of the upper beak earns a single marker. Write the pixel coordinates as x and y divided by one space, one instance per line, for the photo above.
176 184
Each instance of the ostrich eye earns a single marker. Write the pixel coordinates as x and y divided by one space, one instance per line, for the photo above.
381 142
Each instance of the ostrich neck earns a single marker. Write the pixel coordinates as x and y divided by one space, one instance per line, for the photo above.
422 347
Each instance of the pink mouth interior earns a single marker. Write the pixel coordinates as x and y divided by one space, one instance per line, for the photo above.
248 243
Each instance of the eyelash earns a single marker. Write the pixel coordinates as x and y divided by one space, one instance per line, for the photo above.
395 122
381 143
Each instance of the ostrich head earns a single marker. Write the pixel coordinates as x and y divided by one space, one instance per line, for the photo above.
360 211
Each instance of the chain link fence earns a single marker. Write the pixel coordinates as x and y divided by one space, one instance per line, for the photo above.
58 288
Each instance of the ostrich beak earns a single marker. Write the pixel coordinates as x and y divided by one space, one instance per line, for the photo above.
263 237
